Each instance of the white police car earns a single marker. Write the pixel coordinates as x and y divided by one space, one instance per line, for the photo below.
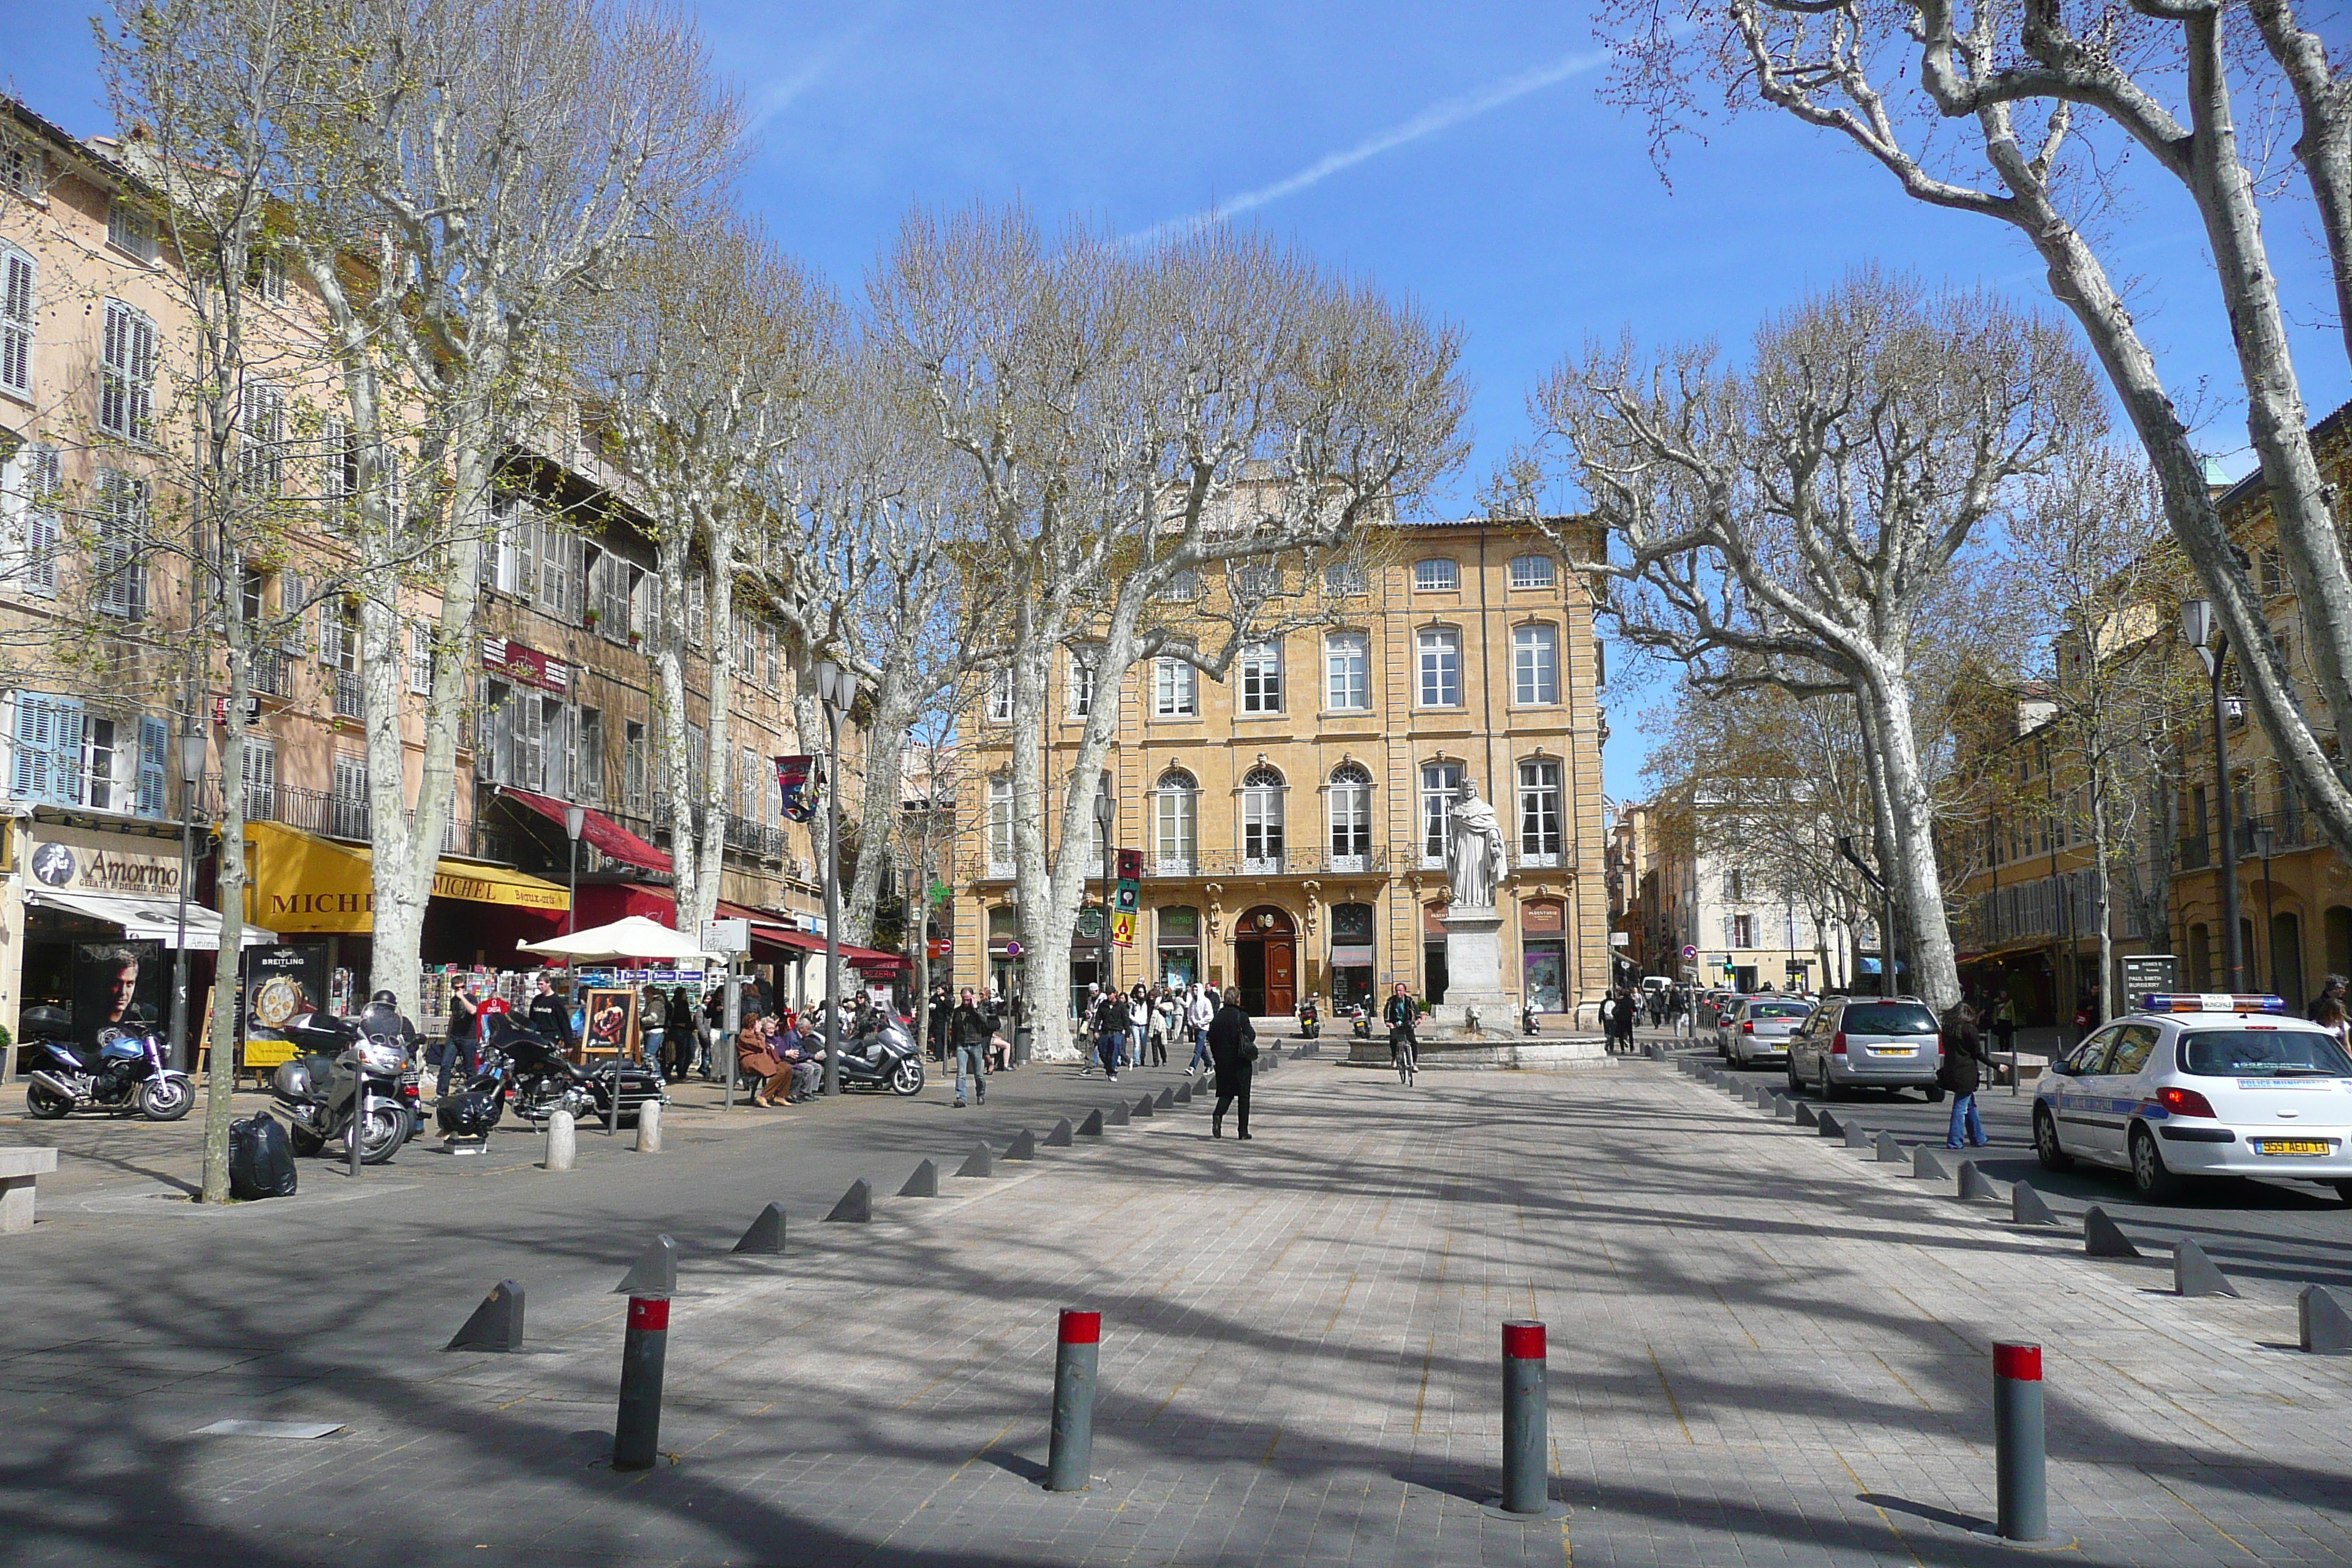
2202 1086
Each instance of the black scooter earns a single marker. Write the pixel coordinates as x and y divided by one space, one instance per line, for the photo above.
1310 1020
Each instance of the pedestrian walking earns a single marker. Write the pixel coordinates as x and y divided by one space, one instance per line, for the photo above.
970 1028
1163 1022
1200 1012
1110 1032
545 1015
1961 1074
459 1048
1232 1046
1402 1014
680 1041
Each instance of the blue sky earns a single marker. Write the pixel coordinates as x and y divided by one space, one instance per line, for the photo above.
1457 153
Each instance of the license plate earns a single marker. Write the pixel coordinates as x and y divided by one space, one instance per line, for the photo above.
2291 1146
1893 1051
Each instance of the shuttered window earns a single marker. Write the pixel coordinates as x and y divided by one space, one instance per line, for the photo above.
47 765
16 276
126 374
154 750
29 487
118 549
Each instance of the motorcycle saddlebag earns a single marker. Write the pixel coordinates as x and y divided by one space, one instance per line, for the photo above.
260 1160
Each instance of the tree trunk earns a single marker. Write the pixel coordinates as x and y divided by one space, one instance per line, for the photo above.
2102 883
220 1072
669 717
1910 812
718 721
879 804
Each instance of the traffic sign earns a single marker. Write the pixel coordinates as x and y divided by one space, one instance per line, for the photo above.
1690 953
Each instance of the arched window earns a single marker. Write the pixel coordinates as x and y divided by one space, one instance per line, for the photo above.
1436 575
1351 818
1175 824
1262 820
1532 572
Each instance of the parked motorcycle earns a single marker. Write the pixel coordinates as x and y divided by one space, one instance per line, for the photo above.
1529 1023
882 1056
1363 1017
1310 1019
126 1072
341 1075
541 1081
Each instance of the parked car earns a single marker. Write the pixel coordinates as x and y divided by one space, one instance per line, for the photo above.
1867 1042
1714 1006
2202 1086
1759 1030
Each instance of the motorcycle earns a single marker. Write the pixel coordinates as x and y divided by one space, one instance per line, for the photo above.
125 1073
1310 1020
1529 1023
1363 1017
882 1056
342 1075
541 1081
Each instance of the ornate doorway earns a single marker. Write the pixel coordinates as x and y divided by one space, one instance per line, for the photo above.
1266 963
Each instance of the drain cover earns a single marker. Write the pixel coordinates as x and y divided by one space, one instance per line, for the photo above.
297 1430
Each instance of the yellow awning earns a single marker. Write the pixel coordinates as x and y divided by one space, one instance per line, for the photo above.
302 882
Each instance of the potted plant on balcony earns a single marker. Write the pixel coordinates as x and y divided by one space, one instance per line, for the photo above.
589 617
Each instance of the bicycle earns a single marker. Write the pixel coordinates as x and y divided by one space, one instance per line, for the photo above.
1404 1051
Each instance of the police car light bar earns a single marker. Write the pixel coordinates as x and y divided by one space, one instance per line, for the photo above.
2209 1002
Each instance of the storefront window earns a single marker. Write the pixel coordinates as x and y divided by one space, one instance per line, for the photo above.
1180 945
1352 955
1543 955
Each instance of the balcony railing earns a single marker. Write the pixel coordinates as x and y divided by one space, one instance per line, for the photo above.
2288 831
269 673
345 816
346 684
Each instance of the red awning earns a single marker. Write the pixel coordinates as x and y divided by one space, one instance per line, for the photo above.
606 835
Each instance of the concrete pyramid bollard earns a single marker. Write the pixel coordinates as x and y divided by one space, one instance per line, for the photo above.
1058 1135
1023 1147
655 1273
1923 1163
1975 1183
1184 1094
2322 1324
1889 1152
1805 1116
2193 1273
1143 1107
1166 1100
1831 1126
979 1162
497 1324
2102 1237
856 1205
1092 1126
1117 1115
1857 1137
923 1184
767 1233
1783 1107
2026 1205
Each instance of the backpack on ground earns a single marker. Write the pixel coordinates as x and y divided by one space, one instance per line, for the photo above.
260 1160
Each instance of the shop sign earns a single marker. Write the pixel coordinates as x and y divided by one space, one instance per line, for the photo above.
1541 915
529 666
70 859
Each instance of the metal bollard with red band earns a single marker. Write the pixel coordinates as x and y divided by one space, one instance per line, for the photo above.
2018 1459
1526 1475
637 1433
1076 1357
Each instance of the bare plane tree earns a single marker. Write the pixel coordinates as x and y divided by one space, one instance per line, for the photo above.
1793 523
2037 116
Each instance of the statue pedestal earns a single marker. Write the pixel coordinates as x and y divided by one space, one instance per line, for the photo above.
1474 976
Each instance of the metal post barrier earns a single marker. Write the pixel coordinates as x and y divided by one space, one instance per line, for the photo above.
358 1112
1526 1475
636 1432
2017 1457
1076 1358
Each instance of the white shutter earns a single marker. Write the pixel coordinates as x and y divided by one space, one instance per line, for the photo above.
45 480
16 278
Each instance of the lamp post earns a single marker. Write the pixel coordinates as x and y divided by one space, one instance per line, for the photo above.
2261 840
836 689
2212 646
1106 813
574 819
192 768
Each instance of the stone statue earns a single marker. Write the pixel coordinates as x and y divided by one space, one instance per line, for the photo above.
1473 851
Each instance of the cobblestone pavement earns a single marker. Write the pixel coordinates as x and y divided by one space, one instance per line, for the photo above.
1765 1348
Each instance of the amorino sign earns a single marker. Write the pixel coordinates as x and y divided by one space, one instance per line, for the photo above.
83 860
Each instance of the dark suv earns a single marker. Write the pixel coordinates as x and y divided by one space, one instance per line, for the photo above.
1867 1042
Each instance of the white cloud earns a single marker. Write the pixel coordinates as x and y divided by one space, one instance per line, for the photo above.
1443 115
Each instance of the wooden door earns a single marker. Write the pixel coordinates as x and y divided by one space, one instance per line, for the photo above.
1281 975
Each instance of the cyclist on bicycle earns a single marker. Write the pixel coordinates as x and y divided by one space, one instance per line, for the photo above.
1401 1014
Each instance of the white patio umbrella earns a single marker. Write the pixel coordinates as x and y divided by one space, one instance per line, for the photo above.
631 937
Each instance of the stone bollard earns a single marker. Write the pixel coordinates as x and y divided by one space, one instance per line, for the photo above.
2019 1464
649 1127
562 1142
1527 1468
1076 1360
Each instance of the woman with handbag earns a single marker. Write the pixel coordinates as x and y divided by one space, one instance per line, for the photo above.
1961 1074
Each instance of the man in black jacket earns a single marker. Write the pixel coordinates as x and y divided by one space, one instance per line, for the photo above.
969 1029
1232 1046
547 1017
1402 1014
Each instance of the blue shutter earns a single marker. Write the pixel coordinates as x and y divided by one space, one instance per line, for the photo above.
35 723
65 750
154 745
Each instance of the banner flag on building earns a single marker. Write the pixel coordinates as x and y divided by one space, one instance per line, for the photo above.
1124 897
801 779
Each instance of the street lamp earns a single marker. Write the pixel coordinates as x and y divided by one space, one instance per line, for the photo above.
2212 646
2261 840
1107 813
192 768
836 689
574 819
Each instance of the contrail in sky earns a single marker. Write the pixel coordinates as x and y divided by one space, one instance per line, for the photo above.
1443 115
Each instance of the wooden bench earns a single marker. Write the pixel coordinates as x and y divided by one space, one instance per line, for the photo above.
20 1167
